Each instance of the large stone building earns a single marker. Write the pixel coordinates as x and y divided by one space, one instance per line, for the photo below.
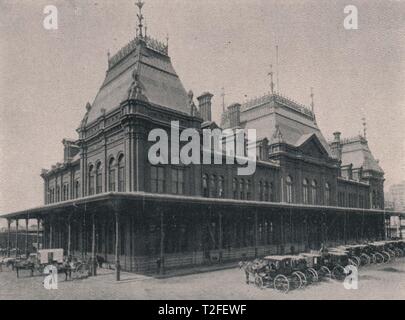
105 198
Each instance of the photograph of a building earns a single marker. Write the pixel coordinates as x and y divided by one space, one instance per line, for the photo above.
106 199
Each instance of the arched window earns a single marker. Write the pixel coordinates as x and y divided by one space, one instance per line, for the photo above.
91 180
121 174
327 194
235 188
57 194
261 190
99 178
271 195
249 190
65 192
289 189
213 186
205 186
111 175
77 189
314 192
305 193
221 183
242 189
266 191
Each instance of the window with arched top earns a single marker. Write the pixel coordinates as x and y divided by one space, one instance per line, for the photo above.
57 194
77 189
266 191
327 194
271 192
249 190
305 192
235 188
205 186
242 189
289 189
261 191
213 186
99 178
314 192
121 173
221 184
91 180
111 175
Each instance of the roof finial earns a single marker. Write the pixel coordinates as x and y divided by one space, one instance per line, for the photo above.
312 100
223 99
140 4
364 128
278 70
271 73
146 30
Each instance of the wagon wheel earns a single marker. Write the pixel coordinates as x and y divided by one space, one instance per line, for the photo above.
304 278
358 260
373 258
325 272
281 283
259 281
379 258
312 275
296 280
338 273
365 259
399 252
352 262
392 254
386 255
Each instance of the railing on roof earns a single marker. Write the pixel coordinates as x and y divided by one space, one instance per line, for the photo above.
151 43
358 138
277 97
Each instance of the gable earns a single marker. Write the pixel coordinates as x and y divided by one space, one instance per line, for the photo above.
313 147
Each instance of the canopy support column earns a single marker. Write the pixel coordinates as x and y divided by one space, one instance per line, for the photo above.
50 233
93 247
117 247
38 222
16 237
69 244
256 235
162 244
8 237
344 228
220 237
26 237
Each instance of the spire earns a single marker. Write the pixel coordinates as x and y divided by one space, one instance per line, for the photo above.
364 128
278 71
140 4
223 99
271 73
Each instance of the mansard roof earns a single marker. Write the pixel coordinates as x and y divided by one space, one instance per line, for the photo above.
357 152
160 83
280 119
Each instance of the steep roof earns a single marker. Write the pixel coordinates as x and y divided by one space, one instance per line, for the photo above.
356 151
278 118
160 83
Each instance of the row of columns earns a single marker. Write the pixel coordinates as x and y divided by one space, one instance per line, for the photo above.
9 221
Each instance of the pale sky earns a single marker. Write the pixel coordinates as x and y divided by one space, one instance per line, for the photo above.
47 77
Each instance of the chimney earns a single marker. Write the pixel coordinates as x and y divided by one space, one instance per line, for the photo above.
234 115
204 103
336 146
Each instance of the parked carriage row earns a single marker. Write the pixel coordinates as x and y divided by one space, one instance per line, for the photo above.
288 272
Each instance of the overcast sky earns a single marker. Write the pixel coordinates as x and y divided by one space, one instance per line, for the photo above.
47 77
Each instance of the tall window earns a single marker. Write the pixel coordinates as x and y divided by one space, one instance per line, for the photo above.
271 192
314 192
91 180
266 191
177 181
327 194
121 174
242 189
205 186
261 190
289 189
235 188
157 179
65 192
77 189
111 175
99 179
213 186
249 190
57 194
221 183
305 193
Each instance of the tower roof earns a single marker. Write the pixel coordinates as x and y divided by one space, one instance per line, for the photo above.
150 60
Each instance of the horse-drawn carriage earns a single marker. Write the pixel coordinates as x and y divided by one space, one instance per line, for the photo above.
316 270
336 260
277 272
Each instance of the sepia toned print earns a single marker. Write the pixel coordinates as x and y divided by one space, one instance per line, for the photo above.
210 150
